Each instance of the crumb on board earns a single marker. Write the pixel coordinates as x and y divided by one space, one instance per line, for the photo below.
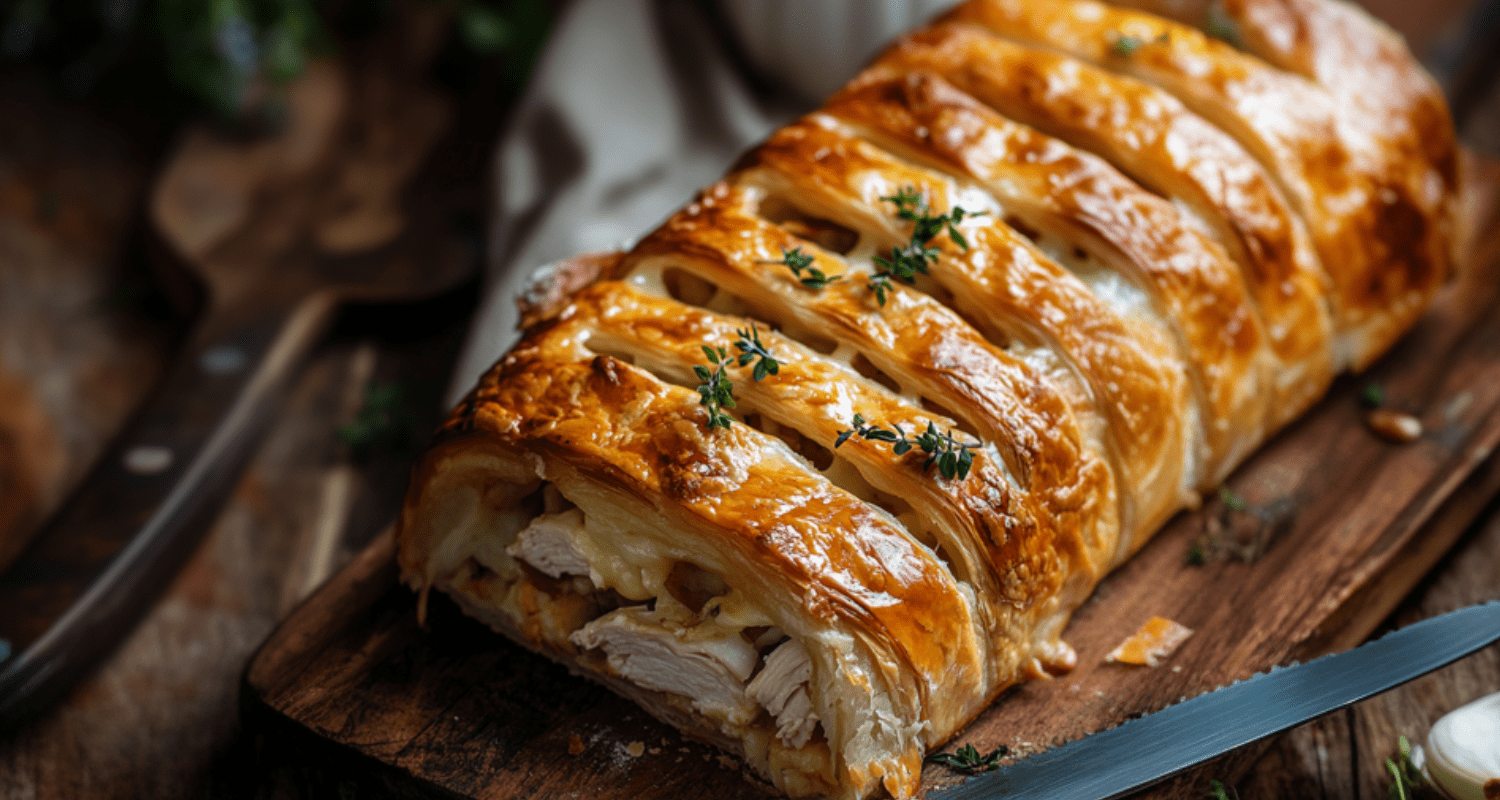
1153 643
636 749
1394 426
575 745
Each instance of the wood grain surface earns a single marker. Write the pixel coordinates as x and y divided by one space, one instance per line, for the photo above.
1337 526
76 353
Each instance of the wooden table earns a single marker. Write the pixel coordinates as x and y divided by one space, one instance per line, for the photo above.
161 717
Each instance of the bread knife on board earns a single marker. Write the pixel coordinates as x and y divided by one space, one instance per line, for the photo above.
1150 749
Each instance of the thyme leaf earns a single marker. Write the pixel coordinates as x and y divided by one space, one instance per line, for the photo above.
1232 501
382 420
799 262
751 348
968 761
1126 45
716 390
952 457
906 261
1218 792
1223 27
1406 779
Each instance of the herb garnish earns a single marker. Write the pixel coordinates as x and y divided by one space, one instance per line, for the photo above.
915 256
1373 395
798 261
1218 792
968 761
953 458
1221 26
381 419
1405 777
716 390
750 348
1231 501
1126 45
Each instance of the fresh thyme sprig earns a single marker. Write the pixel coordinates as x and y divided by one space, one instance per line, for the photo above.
1406 779
716 390
799 262
953 458
751 348
968 761
915 256
912 206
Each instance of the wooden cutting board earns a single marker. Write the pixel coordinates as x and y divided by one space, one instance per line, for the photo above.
1338 526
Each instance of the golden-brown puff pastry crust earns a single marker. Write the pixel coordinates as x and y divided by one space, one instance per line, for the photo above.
1166 250
1354 132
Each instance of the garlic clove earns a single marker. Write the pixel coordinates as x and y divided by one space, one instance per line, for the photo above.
1462 757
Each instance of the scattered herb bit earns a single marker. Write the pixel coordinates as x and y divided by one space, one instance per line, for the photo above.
1231 501
380 419
1406 779
953 458
1234 530
1221 26
751 348
798 262
968 761
1373 395
915 256
1126 45
1218 792
716 389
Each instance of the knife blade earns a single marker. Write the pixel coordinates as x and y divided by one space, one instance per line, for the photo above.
1150 749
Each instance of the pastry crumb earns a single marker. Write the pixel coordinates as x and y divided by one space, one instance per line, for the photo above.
575 745
1152 644
1394 426
636 749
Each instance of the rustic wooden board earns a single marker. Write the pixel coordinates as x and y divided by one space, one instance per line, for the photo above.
1348 523
78 349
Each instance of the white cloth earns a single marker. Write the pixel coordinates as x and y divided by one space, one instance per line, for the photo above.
637 104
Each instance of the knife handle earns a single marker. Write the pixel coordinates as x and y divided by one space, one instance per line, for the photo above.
91 572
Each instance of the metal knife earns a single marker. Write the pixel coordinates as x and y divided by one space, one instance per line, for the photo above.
1152 748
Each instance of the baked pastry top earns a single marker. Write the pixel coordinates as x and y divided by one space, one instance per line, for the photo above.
1030 283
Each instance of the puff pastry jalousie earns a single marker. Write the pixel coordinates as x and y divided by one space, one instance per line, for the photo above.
1135 250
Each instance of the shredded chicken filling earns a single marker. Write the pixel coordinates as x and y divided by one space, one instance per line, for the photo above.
682 644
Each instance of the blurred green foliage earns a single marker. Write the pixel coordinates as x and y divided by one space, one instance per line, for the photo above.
227 51
233 55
